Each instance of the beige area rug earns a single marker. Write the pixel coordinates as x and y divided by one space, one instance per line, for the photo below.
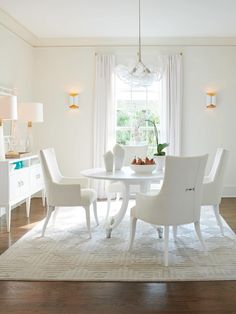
66 253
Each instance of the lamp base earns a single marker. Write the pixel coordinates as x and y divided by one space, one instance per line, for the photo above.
29 142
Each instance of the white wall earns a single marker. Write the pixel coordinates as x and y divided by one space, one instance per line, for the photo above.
16 64
16 69
58 71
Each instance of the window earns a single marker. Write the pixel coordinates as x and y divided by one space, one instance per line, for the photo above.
133 107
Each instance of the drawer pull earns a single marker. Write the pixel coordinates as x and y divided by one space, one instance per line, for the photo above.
37 176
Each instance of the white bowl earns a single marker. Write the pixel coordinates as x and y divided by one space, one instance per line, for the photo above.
143 168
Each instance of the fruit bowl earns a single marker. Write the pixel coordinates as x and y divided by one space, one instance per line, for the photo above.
143 168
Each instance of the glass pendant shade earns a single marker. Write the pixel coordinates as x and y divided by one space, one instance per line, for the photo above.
139 76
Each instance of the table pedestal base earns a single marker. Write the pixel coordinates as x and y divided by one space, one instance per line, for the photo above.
114 221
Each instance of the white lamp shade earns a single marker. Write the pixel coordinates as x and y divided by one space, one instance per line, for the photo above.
30 111
8 107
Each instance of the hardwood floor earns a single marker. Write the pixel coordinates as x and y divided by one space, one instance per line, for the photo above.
20 297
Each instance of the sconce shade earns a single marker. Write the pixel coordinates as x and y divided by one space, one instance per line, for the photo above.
8 107
211 100
31 111
74 100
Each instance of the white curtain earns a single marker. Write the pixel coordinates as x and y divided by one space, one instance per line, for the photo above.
104 113
171 104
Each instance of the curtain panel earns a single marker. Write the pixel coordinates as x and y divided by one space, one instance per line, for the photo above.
104 116
171 103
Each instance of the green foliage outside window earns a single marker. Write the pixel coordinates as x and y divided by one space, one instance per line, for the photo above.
122 118
123 137
133 108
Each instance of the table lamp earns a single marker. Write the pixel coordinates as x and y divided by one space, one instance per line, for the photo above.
8 111
31 112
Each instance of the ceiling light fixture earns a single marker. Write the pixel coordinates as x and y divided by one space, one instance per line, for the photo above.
140 75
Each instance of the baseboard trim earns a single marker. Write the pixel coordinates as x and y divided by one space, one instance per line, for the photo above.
229 191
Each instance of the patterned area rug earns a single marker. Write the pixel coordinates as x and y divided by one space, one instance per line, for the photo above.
66 253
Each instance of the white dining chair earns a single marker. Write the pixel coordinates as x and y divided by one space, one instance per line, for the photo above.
65 191
213 184
177 203
116 188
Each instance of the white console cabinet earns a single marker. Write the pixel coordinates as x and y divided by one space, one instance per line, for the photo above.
19 180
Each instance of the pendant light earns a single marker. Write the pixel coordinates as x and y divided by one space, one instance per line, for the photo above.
140 75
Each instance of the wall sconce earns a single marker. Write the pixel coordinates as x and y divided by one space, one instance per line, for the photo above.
211 100
73 100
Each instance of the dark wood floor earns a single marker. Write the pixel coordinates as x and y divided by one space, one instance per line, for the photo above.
20 297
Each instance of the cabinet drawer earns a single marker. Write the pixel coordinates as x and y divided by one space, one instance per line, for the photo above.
19 184
36 179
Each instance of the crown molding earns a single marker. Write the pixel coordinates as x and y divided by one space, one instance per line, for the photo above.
16 28
127 42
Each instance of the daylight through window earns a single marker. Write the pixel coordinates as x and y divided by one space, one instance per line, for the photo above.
133 107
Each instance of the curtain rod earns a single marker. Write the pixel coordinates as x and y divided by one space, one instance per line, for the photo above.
181 53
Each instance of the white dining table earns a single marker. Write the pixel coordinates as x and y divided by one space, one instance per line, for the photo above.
128 177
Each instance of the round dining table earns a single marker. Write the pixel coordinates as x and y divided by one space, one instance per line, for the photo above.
128 177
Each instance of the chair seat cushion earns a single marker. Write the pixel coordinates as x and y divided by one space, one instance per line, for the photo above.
88 196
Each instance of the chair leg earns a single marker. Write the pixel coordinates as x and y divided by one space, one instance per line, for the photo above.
49 213
166 244
108 205
218 218
87 212
199 234
95 212
133 222
175 230
56 210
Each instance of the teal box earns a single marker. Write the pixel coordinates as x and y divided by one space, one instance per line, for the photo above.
18 165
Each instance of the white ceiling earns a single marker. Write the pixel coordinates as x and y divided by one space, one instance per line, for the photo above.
119 18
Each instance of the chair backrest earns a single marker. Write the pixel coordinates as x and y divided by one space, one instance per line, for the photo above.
181 191
50 167
216 176
132 151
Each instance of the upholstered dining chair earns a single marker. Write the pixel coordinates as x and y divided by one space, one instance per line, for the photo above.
65 191
116 188
177 203
213 184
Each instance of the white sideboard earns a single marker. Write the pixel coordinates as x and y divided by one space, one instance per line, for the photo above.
19 180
